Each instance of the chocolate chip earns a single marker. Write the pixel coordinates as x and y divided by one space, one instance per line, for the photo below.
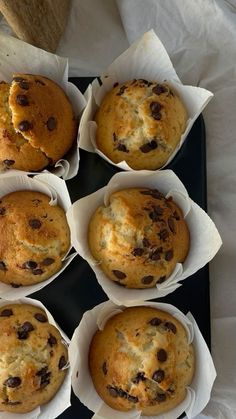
161 279
41 372
24 84
114 137
48 261
30 264
17 79
23 331
155 321
155 107
34 223
62 362
51 123
147 147
156 116
162 355
159 89
154 193
156 255
121 91
139 377
132 399
22 100
52 340
104 368
40 317
37 272
160 397
169 255
12 382
158 376
45 380
138 251
147 279
7 312
171 327
122 393
171 225
24 126
164 234
156 213
115 84
14 285
146 242
113 391
119 274
8 162
176 215
144 81
122 147
39 82
2 266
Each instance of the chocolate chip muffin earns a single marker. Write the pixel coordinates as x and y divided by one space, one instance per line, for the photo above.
35 237
142 360
33 357
139 237
140 122
37 123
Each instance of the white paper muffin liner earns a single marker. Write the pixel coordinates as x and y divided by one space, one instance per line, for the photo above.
19 57
56 189
205 240
61 400
147 59
198 393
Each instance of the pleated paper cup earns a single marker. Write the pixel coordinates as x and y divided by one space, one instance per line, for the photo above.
198 393
56 189
205 240
61 400
19 57
147 59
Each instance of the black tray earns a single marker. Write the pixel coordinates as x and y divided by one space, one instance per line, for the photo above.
76 290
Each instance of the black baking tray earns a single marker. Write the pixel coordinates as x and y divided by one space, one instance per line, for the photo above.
76 290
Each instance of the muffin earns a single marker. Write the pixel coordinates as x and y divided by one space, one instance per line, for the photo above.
35 237
139 237
141 360
37 123
33 357
140 122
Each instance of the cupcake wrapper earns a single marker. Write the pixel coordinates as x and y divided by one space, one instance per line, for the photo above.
147 59
19 57
56 189
198 394
205 240
61 400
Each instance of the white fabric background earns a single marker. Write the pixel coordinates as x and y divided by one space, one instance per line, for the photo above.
199 36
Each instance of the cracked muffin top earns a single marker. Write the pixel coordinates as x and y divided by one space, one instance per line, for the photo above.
140 122
33 358
139 237
37 123
35 238
142 360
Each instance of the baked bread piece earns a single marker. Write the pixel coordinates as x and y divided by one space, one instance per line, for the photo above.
34 235
37 123
142 360
32 358
139 237
140 122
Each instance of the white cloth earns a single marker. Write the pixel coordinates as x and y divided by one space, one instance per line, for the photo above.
199 36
